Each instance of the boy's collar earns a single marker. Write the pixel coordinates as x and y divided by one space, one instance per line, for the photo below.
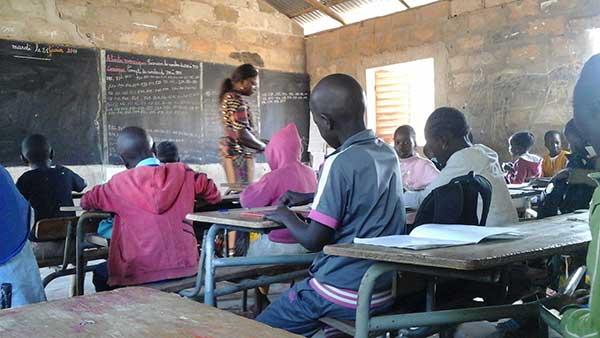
148 162
364 135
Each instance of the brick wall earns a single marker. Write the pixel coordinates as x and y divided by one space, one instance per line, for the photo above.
509 64
230 32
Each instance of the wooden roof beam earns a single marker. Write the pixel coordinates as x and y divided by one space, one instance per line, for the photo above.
405 4
326 10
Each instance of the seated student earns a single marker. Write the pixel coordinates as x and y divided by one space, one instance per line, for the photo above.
556 159
417 172
572 188
585 322
359 195
446 132
527 166
167 152
17 263
287 173
47 187
150 239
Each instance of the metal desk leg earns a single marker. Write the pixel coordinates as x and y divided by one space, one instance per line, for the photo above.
79 260
365 292
200 275
209 280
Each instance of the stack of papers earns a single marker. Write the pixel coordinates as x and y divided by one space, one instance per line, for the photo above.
429 236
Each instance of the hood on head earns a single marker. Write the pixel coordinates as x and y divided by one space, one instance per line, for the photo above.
154 188
285 147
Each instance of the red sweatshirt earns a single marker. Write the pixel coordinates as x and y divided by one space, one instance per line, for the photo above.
150 240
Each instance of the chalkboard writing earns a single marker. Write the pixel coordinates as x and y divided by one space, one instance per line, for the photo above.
284 99
213 76
161 95
53 90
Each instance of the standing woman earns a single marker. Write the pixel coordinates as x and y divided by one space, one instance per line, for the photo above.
240 142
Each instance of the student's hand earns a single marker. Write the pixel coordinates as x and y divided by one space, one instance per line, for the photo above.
281 215
508 166
293 199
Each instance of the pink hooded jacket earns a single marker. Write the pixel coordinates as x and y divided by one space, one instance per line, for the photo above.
150 240
287 173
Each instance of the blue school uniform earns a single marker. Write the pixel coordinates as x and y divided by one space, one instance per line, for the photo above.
17 263
359 195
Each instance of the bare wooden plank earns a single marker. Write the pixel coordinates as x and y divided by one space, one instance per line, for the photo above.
130 312
326 10
53 229
542 238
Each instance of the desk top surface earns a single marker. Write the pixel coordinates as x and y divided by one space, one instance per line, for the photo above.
130 312
244 218
542 238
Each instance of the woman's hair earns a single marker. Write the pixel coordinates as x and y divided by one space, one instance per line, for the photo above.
524 139
243 72
447 121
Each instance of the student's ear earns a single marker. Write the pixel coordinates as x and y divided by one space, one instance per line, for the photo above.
51 154
24 159
327 122
153 148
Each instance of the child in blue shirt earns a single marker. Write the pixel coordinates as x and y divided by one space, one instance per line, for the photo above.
359 195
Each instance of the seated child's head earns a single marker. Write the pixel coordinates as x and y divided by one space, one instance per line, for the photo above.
338 106
576 141
553 142
134 145
405 141
446 132
36 151
586 102
520 143
167 152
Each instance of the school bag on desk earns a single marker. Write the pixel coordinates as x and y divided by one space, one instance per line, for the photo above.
456 202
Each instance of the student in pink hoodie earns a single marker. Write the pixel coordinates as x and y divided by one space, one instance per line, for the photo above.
150 239
417 172
287 174
526 166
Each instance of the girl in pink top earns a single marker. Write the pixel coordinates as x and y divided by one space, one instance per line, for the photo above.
417 172
287 174
527 166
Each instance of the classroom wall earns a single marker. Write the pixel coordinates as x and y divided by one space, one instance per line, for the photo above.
508 64
229 32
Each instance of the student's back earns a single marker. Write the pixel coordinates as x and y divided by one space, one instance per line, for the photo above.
150 239
49 188
287 174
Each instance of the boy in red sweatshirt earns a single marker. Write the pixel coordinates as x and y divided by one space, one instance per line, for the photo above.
150 239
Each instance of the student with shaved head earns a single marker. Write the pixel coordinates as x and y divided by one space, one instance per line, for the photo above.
150 240
359 195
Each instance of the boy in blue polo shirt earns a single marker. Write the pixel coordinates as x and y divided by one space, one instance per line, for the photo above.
359 195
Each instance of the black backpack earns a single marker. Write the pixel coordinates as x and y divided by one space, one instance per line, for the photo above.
456 202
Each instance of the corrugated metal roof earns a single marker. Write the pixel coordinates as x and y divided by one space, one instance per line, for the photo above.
350 11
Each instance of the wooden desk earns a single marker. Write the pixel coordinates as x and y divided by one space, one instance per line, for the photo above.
130 312
543 238
238 220
516 193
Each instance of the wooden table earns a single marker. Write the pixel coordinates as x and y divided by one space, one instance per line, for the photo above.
246 220
130 312
542 238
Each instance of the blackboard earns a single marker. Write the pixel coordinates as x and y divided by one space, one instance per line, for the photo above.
161 95
53 90
213 75
283 100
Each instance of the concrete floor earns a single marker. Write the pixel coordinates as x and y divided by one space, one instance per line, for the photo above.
60 288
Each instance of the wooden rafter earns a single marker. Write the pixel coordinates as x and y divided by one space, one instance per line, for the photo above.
326 10
404 3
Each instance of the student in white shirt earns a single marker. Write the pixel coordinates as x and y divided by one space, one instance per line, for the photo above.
446 132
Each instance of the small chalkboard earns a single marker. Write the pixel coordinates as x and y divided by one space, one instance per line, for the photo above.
213 75
283 100
159 94
53 90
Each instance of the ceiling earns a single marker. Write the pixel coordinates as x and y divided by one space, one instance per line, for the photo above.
319 15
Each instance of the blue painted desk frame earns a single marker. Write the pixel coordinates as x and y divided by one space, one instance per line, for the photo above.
208 264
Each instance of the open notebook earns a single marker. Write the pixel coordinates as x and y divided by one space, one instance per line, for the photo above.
429 236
